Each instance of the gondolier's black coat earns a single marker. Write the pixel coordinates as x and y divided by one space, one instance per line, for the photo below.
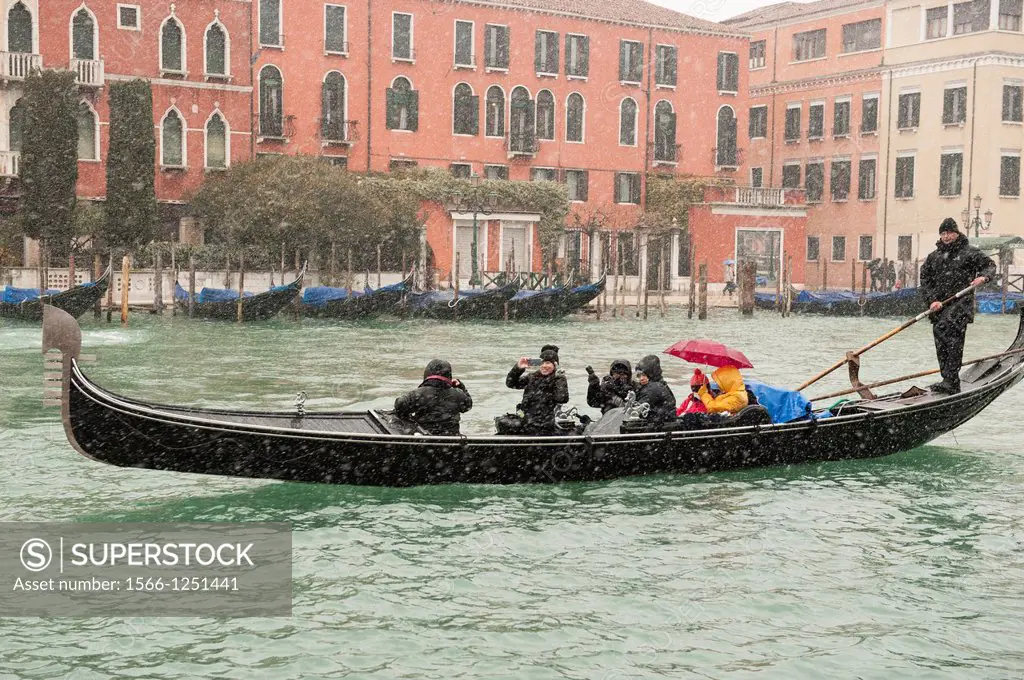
656 392
608 393
435 405
947 271
541 393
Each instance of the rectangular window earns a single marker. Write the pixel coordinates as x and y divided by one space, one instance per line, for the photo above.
937 20
627 187
545 52
791 176
816 121
464 44
809 45
270 23
402 165
336 161
543 175
401 36
496 46
905 177
909 111
951 173
758 122
863 35
334 29
758 54
813 248
666 65
865 248
970 17
792 123
815 182
1013 95
577 55
1009 15
757 177
840 183
128 16
495 172
631 61
954 105
904 248
867 179
838 248
1009 176
461 170
869 114
728 72
841 119
577 182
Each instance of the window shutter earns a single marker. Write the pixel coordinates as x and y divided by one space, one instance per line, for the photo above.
393 105
553 54
720 83
583 185
538 52
623 47
670 134
412 100
1006 101
531 122
947 106
584 56
672 66
634 189
502 57
474 114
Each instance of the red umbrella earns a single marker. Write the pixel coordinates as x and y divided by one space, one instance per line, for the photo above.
709 352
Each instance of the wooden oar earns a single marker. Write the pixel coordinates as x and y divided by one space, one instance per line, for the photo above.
852 355
883 383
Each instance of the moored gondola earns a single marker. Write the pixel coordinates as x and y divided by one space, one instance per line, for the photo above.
579 297
222 304
27 304
547 303
474 303
338 303
372 448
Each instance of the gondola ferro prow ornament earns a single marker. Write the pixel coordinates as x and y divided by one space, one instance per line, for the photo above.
61 332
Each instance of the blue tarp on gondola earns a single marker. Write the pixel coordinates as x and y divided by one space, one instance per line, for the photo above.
14 296
523 294
783 404
992 303
319 296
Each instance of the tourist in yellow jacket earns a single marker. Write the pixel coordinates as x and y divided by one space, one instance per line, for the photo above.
733 392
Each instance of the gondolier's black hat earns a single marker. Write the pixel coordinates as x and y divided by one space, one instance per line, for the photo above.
549 353
948 224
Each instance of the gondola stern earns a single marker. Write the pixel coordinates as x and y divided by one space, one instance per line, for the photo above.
62 332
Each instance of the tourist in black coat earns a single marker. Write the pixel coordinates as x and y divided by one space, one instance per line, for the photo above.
437 404
654 391
610 391
953 266
543 390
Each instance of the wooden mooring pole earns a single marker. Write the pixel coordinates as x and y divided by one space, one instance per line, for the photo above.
702 304
126 281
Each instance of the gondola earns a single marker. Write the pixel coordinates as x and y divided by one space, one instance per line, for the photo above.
373 448
27 304
474 303
547 303
222 304
336 303
903 302
579 297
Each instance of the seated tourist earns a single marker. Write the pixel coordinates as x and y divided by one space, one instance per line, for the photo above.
437 403
654 391
543 390
732 395
692 403
611 391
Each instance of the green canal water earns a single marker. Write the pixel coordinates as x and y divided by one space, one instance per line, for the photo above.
909 566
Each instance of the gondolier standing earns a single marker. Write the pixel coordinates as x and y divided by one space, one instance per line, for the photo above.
953 266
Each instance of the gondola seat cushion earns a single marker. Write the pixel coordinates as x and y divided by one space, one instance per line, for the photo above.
748 416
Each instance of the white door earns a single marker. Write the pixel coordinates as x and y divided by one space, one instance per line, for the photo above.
464 247
515 248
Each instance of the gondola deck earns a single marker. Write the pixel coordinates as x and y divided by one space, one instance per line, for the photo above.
365 448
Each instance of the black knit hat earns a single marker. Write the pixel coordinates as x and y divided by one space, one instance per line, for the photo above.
438 367
948 224
549 353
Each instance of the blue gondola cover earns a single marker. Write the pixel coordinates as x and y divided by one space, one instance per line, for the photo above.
14 296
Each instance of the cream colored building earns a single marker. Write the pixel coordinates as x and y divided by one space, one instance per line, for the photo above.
954 120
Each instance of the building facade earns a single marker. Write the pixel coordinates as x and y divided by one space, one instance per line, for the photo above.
596 98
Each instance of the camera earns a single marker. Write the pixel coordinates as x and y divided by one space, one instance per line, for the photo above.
534 362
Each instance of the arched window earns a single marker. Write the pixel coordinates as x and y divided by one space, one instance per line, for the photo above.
83 35
172 140
545 115
627 122
465 111
403 105
172 46
271 103
216 50
665 133
521 128
495 112
19 29
216 142
332 107
574 116
17 125
725 154
86 133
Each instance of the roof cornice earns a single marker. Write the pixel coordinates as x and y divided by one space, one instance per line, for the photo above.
959 62
815 83
812 15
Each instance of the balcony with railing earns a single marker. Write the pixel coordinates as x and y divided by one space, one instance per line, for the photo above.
275 128
664 154
9 163
88 72
334 132
755 197
521 144
727 158
17 65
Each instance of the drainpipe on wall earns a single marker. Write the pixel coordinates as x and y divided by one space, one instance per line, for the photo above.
974 117
252 90
775 62
369 82
893 98
647 115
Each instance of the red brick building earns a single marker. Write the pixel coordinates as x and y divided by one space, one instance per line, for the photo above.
595 95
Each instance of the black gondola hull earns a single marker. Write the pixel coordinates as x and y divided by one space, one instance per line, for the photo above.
76 301
259 307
